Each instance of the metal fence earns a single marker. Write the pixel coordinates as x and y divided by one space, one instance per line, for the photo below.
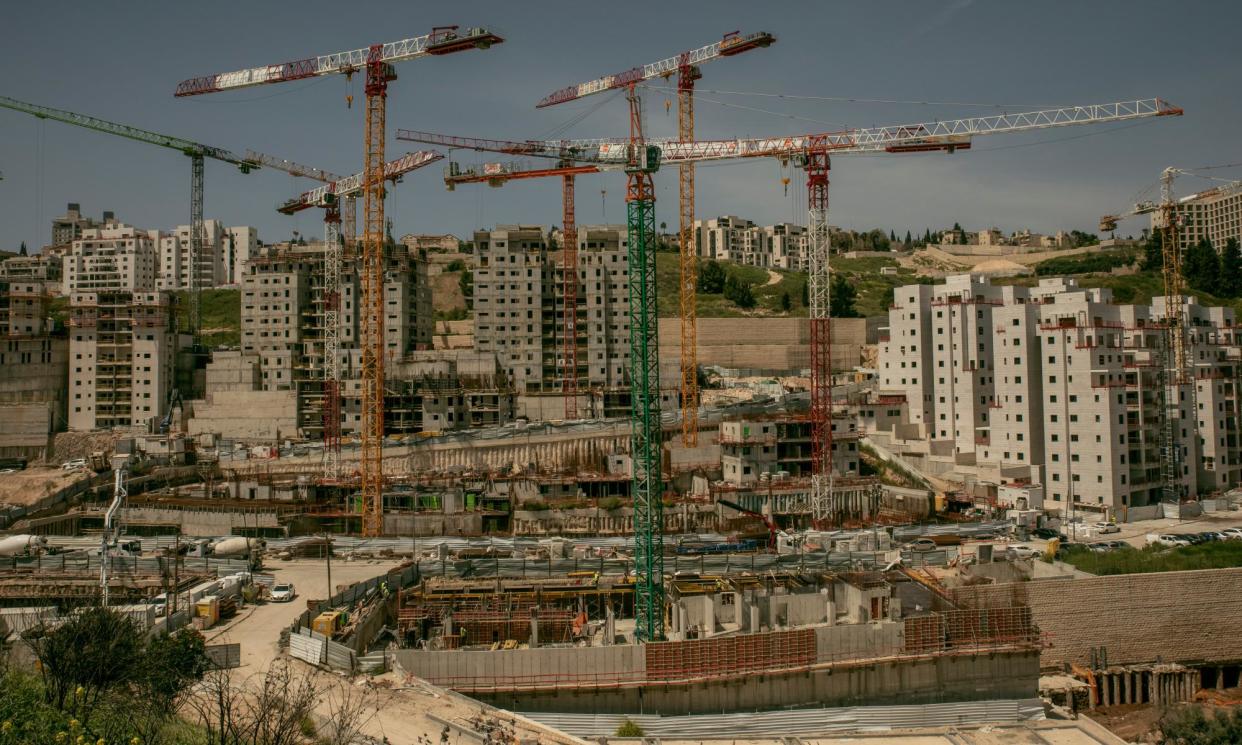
85 563
224 656
356 592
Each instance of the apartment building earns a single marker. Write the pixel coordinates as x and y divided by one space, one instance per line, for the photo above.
519 309
282 316
43 269
33 372
1058 385
213 269
68 227
1215 214
729 238
240 243
780 446
117 257
122 358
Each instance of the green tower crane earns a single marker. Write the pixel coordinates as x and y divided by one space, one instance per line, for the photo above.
197 152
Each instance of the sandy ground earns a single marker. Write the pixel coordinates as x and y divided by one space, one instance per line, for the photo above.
24 488
773 279
404 708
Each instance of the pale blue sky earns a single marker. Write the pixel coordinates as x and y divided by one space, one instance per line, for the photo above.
121 61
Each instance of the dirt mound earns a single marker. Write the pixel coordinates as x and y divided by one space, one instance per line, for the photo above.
70 445
1000 268
446 295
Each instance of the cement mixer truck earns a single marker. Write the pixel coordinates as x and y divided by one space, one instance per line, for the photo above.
22 545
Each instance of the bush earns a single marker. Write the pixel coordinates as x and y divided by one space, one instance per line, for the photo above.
456 265
1190 726
629 728
1213 555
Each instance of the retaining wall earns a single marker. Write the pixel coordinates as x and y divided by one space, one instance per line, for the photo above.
1186 617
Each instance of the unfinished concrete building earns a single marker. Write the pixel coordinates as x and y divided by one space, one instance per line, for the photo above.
122 358
115 257
741 642
519 303
41 269
33 372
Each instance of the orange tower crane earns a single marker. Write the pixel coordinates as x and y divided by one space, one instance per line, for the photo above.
686 67
376 62
330 197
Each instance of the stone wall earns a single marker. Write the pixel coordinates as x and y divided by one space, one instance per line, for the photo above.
1186 617
247 415
767 344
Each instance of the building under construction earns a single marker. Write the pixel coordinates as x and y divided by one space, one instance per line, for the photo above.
734 642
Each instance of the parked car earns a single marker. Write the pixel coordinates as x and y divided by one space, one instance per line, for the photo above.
1103 547
1021 552
1168 540
922 544
1232 534
1211 535
1107 527
1046 533
72 465
283 592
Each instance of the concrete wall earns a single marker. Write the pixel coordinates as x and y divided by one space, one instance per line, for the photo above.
201 522
1182 617
524 667
1011 675
774 344
247 414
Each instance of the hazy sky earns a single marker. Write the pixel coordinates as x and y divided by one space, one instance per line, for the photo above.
121 61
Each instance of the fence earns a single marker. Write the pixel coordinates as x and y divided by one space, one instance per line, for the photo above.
224 656
85 563
969 630
355 592
732 655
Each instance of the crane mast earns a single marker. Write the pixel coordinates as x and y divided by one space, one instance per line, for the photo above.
331 197
196 152
376 62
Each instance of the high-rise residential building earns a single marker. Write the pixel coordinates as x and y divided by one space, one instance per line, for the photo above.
519 305
282 316
68 227
175 271
43 269
1058 385
240 243
33 367
1215 214
117 257
122 358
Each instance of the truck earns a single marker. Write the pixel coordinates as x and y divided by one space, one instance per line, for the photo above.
23 545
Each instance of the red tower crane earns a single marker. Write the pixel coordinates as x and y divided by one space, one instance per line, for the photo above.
811 152
376 62
686 67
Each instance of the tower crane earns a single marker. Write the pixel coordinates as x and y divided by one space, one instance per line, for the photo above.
811 152
377 63
329 197
686 67
494 174
197 152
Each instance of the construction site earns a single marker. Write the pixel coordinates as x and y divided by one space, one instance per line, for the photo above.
573 517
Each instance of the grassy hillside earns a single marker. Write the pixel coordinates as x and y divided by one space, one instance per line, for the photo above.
220 312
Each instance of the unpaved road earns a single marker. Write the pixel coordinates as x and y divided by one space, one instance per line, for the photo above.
403 708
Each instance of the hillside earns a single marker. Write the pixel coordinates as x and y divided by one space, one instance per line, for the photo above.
220 312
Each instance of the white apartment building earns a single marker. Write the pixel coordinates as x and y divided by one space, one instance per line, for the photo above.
175 258
122 358
1215 214
1061 386
117 257
240 243
729 238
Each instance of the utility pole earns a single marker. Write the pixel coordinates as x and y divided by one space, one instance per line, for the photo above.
328 555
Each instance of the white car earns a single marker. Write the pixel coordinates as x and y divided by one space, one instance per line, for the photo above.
1021 552
1109 527
1232 534
1172 541
283 592
72 465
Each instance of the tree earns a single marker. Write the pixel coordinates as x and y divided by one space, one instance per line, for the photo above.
906 244
1153 260
786 302
456 265
890 297
1201 266
806 293
1191 726
712 278
22 251
89 656
466 284
842 296
629 728
1231 269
